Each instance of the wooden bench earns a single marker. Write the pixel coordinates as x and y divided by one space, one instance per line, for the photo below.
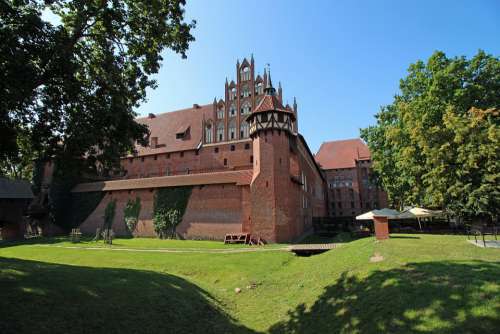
237 238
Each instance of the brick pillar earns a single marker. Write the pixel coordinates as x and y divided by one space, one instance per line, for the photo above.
381 228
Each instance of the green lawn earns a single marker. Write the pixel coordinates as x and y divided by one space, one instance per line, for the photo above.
424 284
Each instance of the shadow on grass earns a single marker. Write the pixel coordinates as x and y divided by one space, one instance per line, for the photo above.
39 297
437 297
32 241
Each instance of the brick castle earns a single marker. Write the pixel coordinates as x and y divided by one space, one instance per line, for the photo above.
250 169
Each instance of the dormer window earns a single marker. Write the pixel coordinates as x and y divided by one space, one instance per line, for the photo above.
245 73
182 132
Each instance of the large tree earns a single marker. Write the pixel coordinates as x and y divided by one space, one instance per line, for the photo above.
437 144
69 85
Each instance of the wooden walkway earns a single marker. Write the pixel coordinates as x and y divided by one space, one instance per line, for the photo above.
310 249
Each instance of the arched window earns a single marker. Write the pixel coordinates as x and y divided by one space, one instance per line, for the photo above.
245 73
246 108
245 92
232 110
220 113
220 132
232 93
259 88
232 130
208 133
244 130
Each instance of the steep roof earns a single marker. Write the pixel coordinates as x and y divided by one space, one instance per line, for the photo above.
342 153
15 189
166 126
239 177
270 103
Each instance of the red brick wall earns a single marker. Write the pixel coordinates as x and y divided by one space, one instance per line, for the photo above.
212 211
205 161
362 195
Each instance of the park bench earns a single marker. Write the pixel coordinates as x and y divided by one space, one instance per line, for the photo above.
481 231
75 235
237 238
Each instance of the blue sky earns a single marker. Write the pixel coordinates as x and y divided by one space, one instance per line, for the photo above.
341 59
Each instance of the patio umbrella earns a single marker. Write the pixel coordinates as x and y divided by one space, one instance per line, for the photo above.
417 213
389 213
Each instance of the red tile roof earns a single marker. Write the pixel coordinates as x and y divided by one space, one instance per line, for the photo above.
165 126
342 153
269 103
240 177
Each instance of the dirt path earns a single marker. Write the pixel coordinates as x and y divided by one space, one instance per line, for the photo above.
174 250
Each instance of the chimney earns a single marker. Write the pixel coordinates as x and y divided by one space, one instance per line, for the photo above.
151 115
196 106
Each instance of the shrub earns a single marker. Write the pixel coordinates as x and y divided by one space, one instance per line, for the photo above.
165 222
169 207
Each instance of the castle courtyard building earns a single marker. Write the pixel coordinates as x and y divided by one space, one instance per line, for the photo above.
348 170
249 169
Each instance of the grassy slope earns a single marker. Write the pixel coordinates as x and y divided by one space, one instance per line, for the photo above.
424 284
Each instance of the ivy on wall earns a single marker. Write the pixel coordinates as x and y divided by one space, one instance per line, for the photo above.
168 208
131 213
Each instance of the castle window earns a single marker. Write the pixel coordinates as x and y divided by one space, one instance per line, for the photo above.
167 171
156 157
232 110
259 88
244 131
245 92
246 108
232 130
216 150
220 131
245 73
232 94
182 154
220 113
251 159
142 159
208 133
233 147
225 162
247 146
168 155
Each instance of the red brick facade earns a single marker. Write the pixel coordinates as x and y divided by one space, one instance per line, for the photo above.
206 147
347 165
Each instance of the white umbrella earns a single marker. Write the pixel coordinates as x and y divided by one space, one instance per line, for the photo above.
417 213
389 213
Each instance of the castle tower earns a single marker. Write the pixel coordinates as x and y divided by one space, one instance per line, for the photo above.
271 129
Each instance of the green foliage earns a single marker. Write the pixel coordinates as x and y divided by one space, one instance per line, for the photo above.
109 214
69 88
168 210
131 213
436 145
